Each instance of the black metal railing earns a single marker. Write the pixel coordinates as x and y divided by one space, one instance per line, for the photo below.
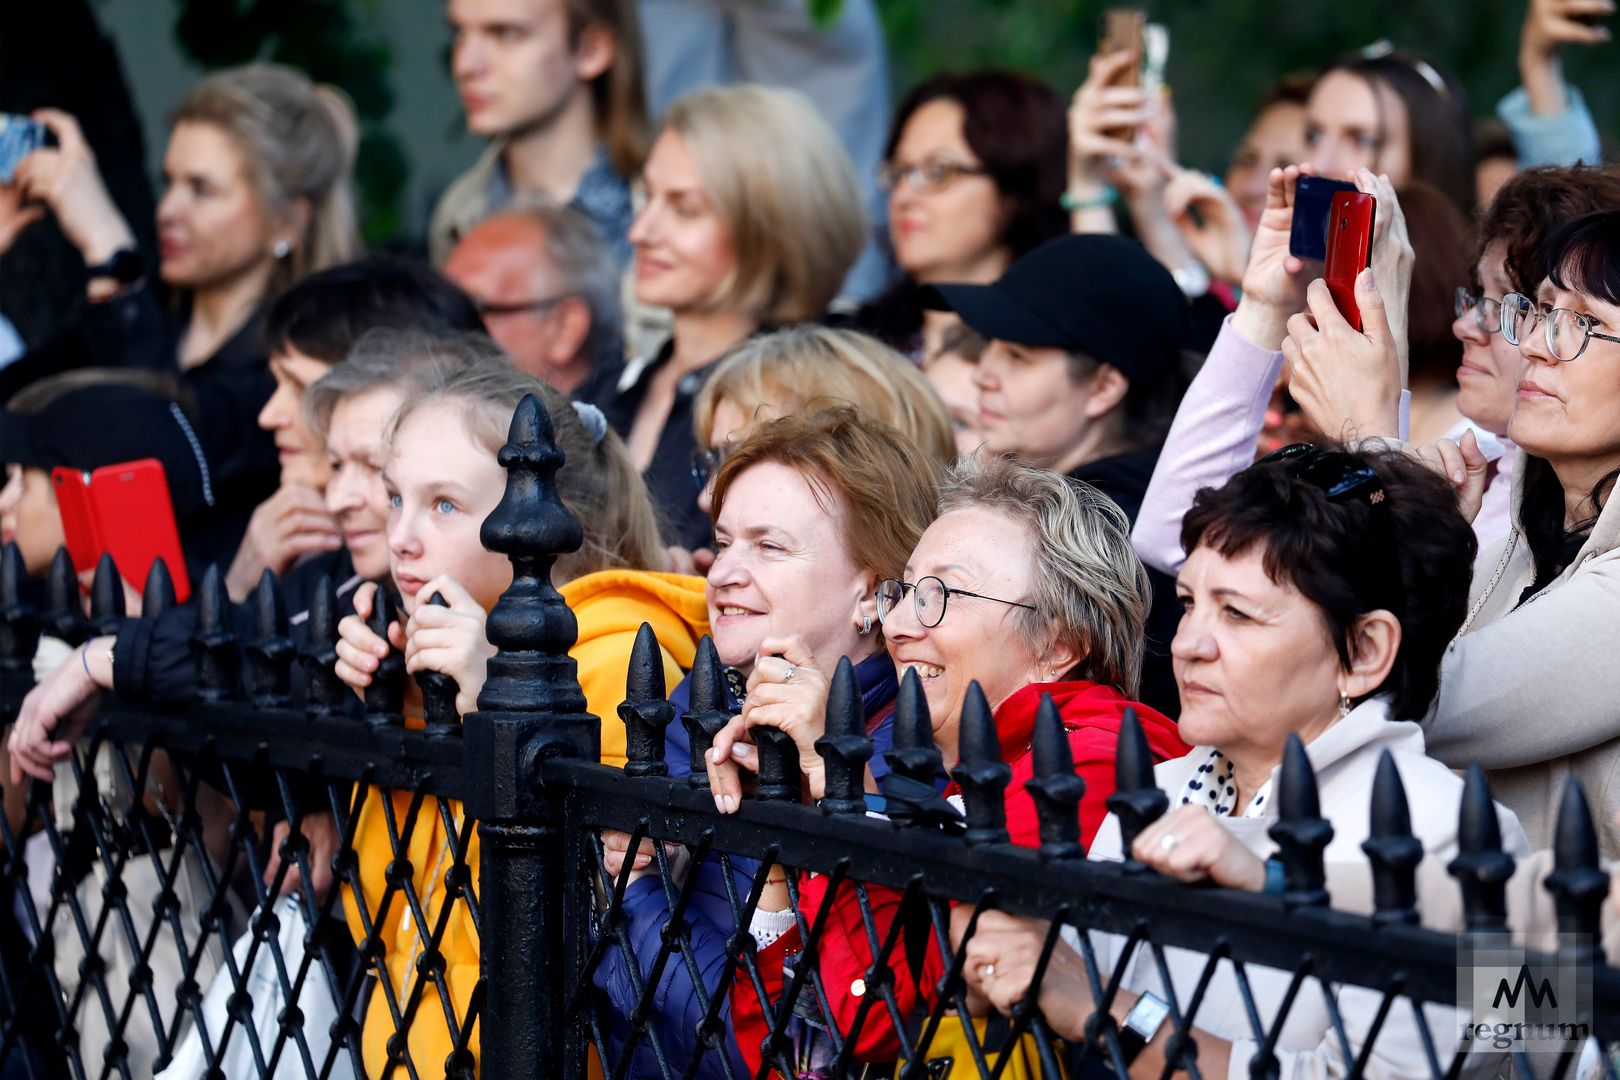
149 931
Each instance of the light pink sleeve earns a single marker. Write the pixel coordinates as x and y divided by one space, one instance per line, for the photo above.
1212 439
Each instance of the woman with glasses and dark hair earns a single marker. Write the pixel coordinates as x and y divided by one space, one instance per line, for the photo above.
1025 584
974 170
1547 598
1320 593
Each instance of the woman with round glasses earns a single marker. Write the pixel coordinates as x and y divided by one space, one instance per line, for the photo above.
1026 584
1529 687
974 168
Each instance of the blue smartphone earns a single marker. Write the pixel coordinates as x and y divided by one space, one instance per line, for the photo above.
1313 205
19 137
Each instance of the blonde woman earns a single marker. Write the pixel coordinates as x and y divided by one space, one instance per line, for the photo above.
753 217
258 176
813 367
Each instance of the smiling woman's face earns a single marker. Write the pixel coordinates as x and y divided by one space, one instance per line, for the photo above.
781 567
985 551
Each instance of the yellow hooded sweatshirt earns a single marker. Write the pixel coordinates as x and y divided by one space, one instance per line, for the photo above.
610 606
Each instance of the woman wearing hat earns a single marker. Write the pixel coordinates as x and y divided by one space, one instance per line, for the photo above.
1082 375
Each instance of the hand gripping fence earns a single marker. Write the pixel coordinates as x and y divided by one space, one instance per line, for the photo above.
452 913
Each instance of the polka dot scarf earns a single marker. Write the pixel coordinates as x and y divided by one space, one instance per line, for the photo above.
1213 786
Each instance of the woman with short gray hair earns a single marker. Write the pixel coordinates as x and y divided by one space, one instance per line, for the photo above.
1026 585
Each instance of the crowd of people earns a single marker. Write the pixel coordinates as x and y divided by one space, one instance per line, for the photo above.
1094 435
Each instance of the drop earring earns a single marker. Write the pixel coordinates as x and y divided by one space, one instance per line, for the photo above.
1344 705
282 249
866 625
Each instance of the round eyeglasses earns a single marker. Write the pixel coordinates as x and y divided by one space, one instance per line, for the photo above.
1486 311
1568 333
929 596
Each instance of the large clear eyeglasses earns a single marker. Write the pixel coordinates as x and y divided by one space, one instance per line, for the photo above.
929 597
926 176
1568 332
1486 311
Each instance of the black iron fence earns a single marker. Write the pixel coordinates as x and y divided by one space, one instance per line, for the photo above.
470 925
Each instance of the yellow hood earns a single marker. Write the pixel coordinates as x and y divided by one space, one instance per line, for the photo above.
610 606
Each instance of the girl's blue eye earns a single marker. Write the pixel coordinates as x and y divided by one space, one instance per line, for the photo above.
395 501
444 506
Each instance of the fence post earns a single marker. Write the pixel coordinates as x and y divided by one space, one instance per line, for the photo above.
531 708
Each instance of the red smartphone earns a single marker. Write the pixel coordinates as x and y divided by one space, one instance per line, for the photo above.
1349 249
123 510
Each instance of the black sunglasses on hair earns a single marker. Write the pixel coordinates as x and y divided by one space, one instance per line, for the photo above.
1338 475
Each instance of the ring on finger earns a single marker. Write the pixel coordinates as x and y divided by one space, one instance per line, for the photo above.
1168 842
987 971
788 675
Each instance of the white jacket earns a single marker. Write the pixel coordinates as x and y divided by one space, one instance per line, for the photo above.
1345 758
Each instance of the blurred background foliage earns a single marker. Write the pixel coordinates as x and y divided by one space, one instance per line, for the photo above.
333 41
1223 53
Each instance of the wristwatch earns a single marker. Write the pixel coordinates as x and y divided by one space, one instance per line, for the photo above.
125 267
1141 1024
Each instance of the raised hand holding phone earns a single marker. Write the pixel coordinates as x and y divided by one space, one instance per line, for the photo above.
1347 381
1349 249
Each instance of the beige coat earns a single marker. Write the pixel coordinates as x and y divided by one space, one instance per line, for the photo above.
1532 692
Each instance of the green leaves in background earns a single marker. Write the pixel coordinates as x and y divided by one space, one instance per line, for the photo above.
325 39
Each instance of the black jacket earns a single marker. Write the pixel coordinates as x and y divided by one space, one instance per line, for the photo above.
153 660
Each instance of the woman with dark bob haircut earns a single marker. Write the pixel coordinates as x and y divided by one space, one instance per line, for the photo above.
974 168
1320 591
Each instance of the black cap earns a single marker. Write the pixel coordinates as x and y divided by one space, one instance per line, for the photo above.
110 424
1100 295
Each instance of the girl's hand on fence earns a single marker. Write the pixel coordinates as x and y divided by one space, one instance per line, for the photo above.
53 715
732 752
788 691
449 640
961 915
359 650
1190 844
321 833
1000 967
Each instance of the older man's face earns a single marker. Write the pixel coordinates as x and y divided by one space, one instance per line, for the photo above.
528 309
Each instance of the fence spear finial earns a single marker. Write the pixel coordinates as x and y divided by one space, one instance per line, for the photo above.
1578 883
707 708
1136 801
1482 867
440 718
981 774
645 712
213 644
270 652
1301 833
19 624
845 748
1057 788
106 597
324 691
158 595
1392 849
